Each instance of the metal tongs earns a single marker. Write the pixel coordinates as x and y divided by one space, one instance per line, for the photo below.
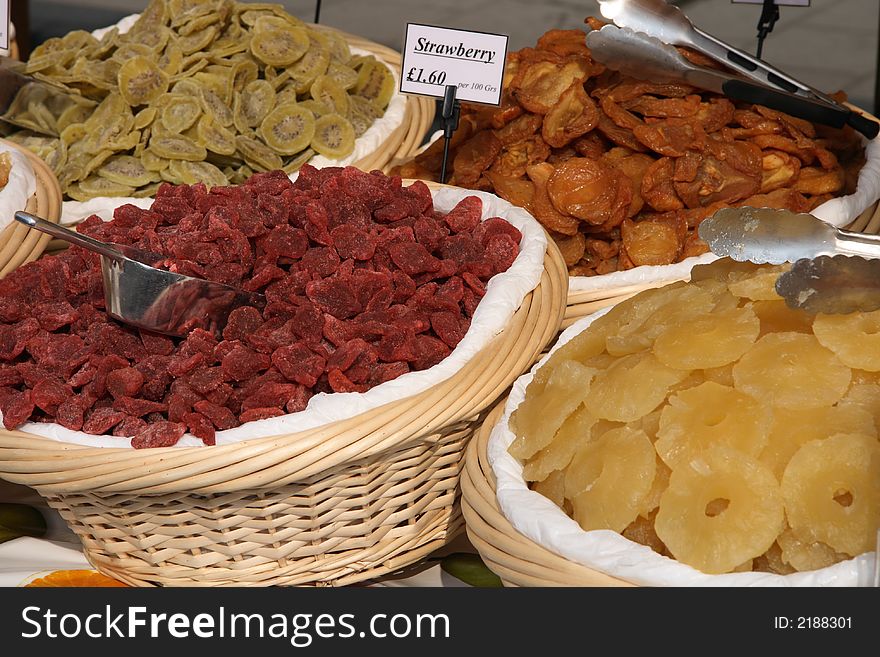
834 272
137 293
654 27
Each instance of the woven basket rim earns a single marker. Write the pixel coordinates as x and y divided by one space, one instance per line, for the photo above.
516 559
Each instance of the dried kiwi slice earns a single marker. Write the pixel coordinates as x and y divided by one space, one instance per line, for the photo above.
191 173
141 81
346 76
257 100
180 112
215 137
171 59
73 115
177 148
328 91
363 114
126 170
259 156
214 106
145 117
334 136
296 163
197 41
316 107
288 129
98 186
309 67
375 82
153 162
286 94
280 46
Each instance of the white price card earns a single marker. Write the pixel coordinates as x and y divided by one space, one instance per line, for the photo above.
790 3
434 57
4 24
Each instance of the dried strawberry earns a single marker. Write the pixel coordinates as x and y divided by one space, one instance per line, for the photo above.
9 376
130 426
449 327
55 314
206 379
242 363
201 427
465 215
299 363
299 400
383 372
70 413
322 261
101 420
334 296
242 322
16 408
252 414
286 242
160 434
48 394
156 344
269 395
496 226
412 258
221 417
427 352
502 251
125 382
341 383
138 407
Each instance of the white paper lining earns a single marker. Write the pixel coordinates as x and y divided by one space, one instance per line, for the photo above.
372 139
504 295
21 186
546 524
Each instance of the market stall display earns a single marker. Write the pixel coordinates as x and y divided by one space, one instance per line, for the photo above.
380 464
745 441
621 171
213 91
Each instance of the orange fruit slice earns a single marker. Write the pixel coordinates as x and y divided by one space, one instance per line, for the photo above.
75 578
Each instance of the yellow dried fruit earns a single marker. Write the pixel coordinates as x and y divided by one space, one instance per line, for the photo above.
792 370
571 435
855 338
632 387
706 341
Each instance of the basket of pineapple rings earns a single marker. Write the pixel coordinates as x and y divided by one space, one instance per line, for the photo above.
212 91
702 433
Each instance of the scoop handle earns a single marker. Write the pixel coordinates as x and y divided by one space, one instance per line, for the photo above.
56 230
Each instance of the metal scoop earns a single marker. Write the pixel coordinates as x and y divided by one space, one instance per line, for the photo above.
137 293
668 24
824 278
645 57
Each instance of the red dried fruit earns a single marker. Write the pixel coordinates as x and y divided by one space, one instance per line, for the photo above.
353 242
242 322
502 251
221 417
253 414
17 408
156 344
412 258
429 232
269 395
160 434
495 226
285 241
70 413
449 327
138 407
465 215
341 383
48 394
130 426
206 379
299 363
242 363
299 401
125 382
55 314
323 261
101 420
427 352
383 372
183 365
334 296
201 427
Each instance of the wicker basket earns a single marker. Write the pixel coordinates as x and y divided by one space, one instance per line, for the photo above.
18 243
404 142
329 506
517 560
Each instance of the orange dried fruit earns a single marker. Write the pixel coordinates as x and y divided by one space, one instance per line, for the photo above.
590 190
574 115
75 578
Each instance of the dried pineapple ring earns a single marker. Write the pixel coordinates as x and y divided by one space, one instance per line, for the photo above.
777 317
288 129
831 489
792 370
548 403
609 479
334 136
855 338
126 170
375 82
720 510
865 396
792 429
707 341
662 472
631 388
760 286
711 414
575 431
180 112
279 46
553 487
653 312
802 555
141 81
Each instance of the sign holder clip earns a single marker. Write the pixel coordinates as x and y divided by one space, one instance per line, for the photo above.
449 117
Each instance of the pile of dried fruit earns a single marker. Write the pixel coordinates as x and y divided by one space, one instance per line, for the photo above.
715 425
364 281
622 171
200 91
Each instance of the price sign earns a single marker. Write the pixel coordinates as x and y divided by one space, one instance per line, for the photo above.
790 3
4 24
434 57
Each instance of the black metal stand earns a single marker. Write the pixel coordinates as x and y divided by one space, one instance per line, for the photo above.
317 12
769 16
449 116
